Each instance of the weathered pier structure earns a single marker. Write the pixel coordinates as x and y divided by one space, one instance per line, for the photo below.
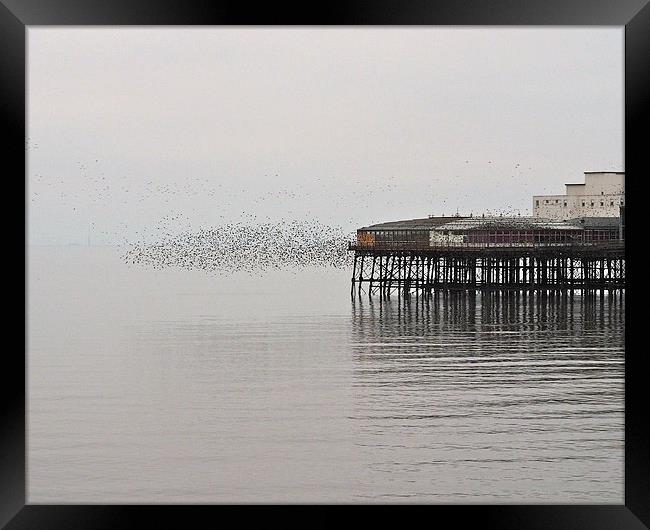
489 253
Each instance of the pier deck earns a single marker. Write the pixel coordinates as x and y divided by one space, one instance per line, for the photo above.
386 267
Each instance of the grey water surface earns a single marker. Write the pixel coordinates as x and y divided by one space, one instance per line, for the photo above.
175 386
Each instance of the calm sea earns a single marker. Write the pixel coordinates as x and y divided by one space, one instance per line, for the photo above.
182 386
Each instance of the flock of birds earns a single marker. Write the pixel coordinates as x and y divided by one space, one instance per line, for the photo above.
241 247
251 242
255 239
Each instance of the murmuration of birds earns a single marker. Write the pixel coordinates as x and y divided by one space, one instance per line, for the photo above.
250 248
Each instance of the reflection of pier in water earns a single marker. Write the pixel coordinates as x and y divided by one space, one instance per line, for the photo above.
516 309
532 334
459 393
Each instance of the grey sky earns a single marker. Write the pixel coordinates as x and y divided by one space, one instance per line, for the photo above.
129 126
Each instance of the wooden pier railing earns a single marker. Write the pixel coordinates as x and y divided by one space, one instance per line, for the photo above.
612 244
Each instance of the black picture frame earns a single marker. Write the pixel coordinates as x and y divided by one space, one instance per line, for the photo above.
16 15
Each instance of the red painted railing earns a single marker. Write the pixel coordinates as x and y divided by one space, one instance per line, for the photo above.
612 244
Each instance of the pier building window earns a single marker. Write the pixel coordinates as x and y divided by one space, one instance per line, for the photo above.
583 203
536 203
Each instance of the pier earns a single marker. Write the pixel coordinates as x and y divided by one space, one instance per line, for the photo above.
505 253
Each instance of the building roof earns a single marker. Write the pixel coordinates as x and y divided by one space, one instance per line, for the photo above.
426 223
596 222
507 223
496 223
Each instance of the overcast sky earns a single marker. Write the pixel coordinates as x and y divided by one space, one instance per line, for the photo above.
131 129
